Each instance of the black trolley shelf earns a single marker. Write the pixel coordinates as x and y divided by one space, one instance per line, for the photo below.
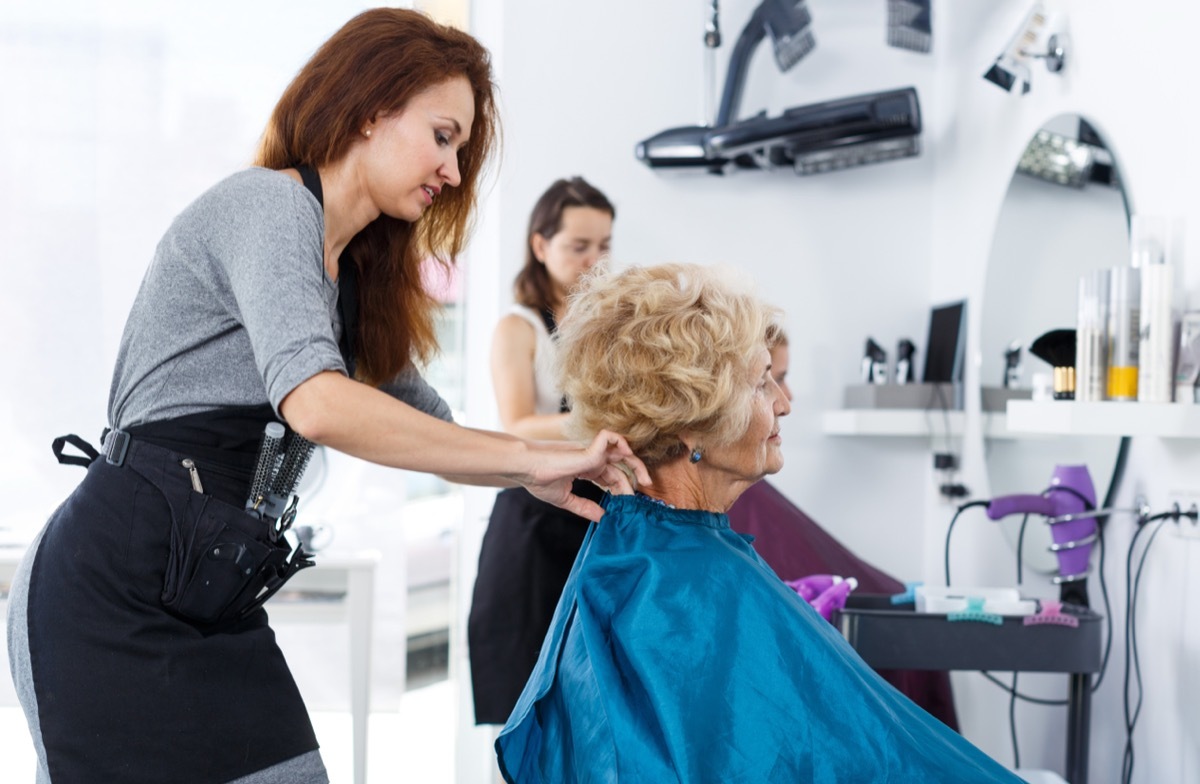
897 637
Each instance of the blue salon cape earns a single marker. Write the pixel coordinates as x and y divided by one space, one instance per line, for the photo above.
677 655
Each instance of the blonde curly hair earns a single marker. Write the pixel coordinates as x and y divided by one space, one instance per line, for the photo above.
655 352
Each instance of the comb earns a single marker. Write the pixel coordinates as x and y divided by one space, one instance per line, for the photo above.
975 612
1051 613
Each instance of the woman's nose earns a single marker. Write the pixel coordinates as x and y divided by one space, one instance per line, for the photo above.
783 402
450 172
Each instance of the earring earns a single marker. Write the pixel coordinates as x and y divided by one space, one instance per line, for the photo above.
367 132
695 456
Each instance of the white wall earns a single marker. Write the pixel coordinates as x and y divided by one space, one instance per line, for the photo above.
866 252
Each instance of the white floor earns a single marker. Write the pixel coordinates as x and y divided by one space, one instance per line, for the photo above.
415 743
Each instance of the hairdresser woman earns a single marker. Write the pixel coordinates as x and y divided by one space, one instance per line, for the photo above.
530 545
290 290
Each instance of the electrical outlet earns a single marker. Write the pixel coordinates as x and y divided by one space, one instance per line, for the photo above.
1186 527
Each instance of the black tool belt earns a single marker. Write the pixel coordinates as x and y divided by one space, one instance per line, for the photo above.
223 563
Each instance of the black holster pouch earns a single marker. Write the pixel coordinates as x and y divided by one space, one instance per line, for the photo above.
224 563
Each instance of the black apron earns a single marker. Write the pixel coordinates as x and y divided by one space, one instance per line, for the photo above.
526 555
127 691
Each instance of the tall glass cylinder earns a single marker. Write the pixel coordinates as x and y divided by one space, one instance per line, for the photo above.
1091 334
1124 310
1156 349
1155 245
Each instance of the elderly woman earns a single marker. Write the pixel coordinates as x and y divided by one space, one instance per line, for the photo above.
675 653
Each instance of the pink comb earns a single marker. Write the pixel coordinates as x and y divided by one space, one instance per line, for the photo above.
1052 613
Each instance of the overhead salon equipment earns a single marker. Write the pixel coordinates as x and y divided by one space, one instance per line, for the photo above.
810 139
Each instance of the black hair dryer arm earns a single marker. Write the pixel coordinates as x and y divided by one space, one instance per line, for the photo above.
739 64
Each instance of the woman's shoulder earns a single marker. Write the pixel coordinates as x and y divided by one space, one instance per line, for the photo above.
524 320
514 334
259 183
254 205
252 192
520 323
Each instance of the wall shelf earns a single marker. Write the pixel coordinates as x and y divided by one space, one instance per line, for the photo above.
905 422
1107 418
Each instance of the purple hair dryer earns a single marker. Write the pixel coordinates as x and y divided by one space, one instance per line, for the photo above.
1070 493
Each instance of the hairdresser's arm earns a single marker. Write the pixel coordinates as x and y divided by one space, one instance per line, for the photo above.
354 418
515 383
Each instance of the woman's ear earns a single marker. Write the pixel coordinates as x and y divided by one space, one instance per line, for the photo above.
539 244
368 127
690 445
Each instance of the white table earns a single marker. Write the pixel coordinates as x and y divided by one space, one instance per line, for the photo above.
340 588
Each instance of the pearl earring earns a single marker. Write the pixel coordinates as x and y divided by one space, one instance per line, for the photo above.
367 132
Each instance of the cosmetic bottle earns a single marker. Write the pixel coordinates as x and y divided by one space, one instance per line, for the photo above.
1187 369
1012 365
1153 242
833 598
1124 304
874 363
906 352
1156 337
1091 350
813 585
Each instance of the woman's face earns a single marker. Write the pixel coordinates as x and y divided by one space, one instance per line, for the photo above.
759 451
413 154
582 240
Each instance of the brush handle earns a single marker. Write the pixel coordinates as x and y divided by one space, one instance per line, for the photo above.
264 470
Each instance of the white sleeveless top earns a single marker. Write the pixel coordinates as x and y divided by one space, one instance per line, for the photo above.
549 396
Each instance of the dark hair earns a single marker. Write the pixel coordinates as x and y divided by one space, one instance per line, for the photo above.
373 66
532 285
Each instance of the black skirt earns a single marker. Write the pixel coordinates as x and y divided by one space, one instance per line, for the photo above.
117 688
526 556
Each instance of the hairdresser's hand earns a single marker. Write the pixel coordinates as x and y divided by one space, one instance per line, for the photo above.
600 462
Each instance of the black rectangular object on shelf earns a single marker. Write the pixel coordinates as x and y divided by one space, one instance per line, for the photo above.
946 344
898 637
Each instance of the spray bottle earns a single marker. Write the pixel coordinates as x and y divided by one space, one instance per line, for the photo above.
813 585
833 598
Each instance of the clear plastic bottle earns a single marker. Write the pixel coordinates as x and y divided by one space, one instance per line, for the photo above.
1091 347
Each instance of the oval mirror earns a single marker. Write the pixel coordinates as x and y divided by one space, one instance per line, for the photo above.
1065 215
